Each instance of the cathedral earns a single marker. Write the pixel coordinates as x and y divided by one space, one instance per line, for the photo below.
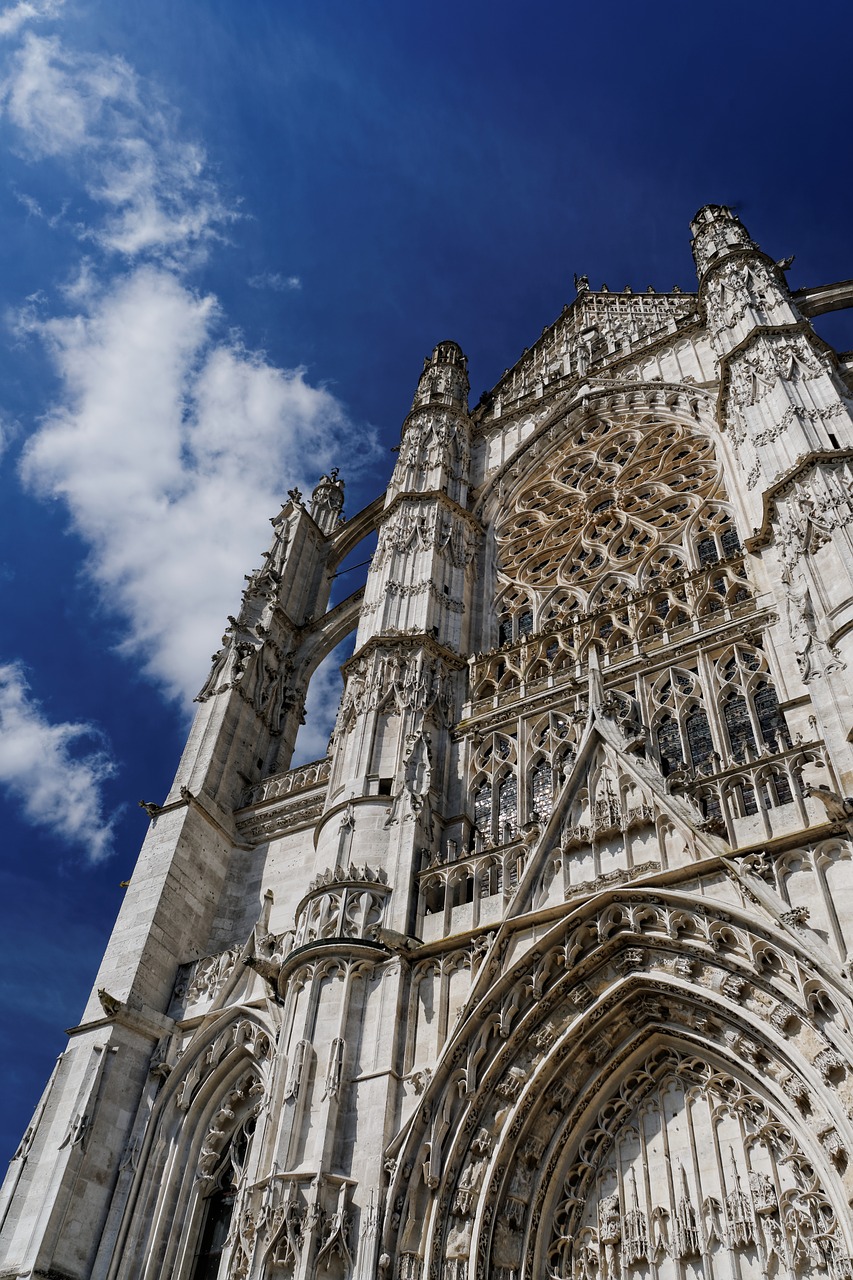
544 971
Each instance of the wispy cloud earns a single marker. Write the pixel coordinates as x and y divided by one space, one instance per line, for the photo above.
16 16
50 770
169 441
171 448
275 281
124 140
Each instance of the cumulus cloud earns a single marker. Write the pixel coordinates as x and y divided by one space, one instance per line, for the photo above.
275 281
172 448
49 771
16 16
94 110
170 444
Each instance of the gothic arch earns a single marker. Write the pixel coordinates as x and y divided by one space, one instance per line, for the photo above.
217 1088
536 1065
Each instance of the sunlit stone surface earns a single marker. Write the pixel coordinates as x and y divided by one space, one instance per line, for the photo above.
543 971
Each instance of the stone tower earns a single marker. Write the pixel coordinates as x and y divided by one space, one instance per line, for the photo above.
544 970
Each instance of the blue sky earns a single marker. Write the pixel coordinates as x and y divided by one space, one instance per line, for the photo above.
230 234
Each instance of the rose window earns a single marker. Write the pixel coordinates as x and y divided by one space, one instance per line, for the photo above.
613 495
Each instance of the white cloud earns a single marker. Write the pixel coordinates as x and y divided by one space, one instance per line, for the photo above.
172 449
41 765
123 140
275 281
16 16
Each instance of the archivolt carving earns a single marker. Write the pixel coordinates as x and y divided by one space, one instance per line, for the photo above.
691 1166
575 1018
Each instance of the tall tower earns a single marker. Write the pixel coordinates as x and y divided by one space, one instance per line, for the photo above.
543 971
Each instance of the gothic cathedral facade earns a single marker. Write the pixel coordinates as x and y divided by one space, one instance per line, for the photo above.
543 973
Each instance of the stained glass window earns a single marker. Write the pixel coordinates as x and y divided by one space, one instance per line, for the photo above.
669 745
483 809
707 549
508 807
699 740
774 731
525 623
505 631
738 726
730 541
541 791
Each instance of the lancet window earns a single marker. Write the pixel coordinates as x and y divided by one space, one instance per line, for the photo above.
495 792
751 711
551 752
682 731
542 790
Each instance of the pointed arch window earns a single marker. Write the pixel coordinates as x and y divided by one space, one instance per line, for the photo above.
219 1206
541 791
699 740
507 807
738 726
730 542
218 1212
483 809
669 745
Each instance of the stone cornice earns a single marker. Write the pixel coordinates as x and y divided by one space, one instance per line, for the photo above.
407 640
431 495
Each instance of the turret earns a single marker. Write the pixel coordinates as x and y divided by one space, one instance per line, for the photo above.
391 740
787 418
327 502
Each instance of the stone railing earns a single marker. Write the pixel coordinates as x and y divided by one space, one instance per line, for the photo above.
315 774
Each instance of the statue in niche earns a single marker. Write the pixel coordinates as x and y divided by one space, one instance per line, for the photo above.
418 772
412 800
814 657
610 1233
